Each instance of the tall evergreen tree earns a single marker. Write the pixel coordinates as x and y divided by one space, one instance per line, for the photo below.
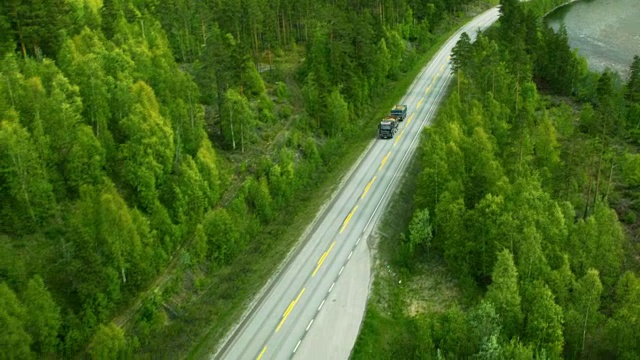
43 322
543 321
504 293
15 341
633 85
27 196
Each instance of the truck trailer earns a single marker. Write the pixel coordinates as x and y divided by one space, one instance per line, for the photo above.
399 112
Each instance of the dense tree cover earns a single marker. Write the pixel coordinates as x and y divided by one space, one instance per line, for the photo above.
140 138
533 204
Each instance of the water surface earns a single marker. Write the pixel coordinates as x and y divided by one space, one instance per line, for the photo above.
605 32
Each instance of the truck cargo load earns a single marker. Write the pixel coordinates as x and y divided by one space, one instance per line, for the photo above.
399 112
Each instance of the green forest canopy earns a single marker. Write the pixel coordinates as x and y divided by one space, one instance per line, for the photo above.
137 132
529 192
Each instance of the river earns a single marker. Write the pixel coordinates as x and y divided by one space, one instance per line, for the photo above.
605 32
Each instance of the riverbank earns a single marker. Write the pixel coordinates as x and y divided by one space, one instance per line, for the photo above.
558 7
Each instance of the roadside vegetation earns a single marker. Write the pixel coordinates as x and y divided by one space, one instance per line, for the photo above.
159 159
525 236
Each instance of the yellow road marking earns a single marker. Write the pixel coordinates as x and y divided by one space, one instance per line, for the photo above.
398 138
366 189
433 80
288 311
384 160
264 349
324 256
410 118
442 67
420 103
346 221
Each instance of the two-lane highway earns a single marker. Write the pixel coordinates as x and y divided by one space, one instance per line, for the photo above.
285 320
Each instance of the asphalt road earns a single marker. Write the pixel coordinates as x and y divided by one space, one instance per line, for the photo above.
313 307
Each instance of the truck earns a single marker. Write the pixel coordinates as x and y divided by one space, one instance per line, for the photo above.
388 127
399 112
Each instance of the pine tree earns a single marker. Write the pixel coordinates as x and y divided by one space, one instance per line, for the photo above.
544 320
583 317
504 294
27 196
15 341
43 322
633 85
623 327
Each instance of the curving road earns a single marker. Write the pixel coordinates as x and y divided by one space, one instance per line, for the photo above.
313 308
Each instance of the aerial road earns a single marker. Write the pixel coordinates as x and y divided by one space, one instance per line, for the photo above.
313 307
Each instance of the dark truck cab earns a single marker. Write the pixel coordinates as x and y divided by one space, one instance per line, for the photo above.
387 128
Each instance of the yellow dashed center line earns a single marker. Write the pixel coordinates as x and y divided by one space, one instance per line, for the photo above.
285 315
366 189
324 256
398 138
287 312
410 118
346 221
264 349
432 81
384 160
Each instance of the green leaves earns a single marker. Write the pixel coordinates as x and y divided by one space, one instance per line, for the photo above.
543 321
337 114
624 326
237 121
108 342
583 318
86 160
420 231
43 322
148 149
506 177
259 197
27 195
223 235
38 26
598 243
461 53
208 168
558 64
15 341
504 293
633 85
106 246
382 63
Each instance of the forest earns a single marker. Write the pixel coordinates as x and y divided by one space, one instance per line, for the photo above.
528 193
146 145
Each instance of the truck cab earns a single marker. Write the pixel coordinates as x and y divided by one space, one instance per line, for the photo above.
387 128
